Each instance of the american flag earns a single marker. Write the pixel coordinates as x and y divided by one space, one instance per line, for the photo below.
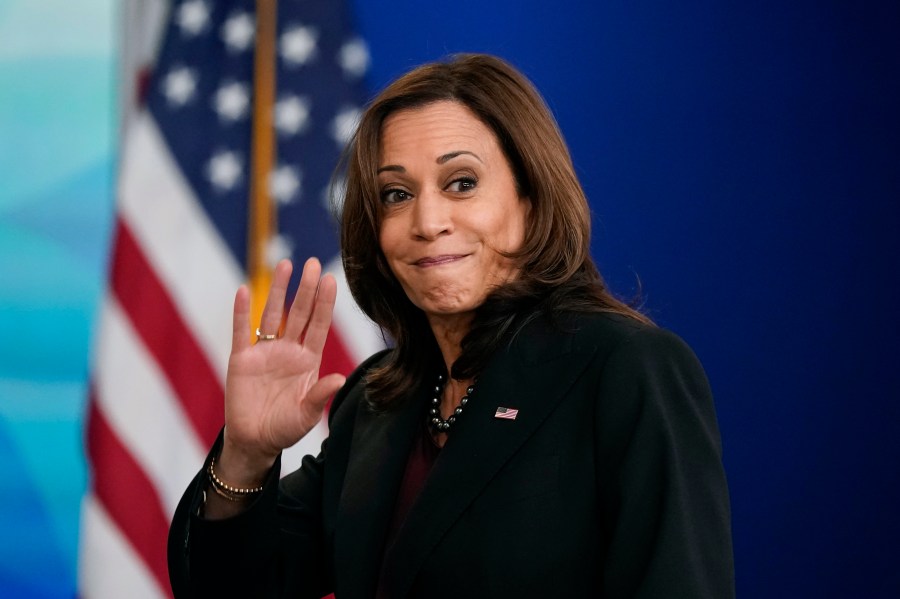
180 251
506 413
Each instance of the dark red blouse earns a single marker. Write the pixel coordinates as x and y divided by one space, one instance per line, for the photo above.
422 456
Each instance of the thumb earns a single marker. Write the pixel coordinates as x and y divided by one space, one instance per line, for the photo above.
319 394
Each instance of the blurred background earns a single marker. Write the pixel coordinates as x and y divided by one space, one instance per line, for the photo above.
743 166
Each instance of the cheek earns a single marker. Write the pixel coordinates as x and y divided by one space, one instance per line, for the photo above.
517 233
390 241
509 232
387 239
511 229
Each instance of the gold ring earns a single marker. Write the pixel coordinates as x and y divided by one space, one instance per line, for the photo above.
261 337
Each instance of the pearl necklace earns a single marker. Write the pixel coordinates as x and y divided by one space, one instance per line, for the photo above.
437 423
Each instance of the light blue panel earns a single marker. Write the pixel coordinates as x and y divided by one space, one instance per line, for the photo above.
56 119
29 548
44 432
57 136
53 262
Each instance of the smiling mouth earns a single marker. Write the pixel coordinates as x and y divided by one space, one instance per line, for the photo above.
438 260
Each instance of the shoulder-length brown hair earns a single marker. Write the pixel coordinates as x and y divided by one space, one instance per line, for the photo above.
556 270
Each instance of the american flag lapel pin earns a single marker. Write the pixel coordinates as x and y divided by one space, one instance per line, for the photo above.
506 413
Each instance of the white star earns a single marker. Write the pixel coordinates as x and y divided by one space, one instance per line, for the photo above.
354 57
298 45
232 101
238 31
284 184
292 115
192 17
224 170
344 124
179 85
278 248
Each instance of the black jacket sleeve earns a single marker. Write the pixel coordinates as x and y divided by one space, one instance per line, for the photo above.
275 547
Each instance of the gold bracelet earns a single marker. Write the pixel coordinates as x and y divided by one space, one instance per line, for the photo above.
226 494
225 490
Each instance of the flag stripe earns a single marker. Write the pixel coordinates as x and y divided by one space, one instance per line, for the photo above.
335 355
166 335
141 407
308 445
109 565
189 256
349 319
127 495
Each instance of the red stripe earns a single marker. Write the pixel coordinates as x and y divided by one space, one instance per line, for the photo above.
335 357
127 495
167 336
143 84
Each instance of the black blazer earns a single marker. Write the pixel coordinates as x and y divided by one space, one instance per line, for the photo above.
609 483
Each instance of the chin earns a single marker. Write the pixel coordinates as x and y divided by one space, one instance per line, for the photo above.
444 308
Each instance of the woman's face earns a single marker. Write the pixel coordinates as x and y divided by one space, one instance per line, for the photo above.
450 207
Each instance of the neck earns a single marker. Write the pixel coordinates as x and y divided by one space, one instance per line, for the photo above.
449 332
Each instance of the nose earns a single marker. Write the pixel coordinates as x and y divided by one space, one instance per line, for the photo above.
432 215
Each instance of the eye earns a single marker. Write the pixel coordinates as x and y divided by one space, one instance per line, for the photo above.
462 184
394 196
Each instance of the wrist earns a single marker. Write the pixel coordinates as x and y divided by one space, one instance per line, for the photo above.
227 491
241 468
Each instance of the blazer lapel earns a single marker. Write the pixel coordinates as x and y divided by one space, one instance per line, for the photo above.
378 456
532 376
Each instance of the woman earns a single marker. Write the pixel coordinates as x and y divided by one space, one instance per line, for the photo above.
528 436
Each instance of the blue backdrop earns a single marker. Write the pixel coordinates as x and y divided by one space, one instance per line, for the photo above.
743 164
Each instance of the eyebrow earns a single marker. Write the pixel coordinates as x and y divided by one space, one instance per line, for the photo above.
452 155
442 159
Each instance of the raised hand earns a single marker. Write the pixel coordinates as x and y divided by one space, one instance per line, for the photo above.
273 393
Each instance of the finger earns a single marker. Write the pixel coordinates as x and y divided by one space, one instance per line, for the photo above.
270 321
319 394
317 331
240 336
302 307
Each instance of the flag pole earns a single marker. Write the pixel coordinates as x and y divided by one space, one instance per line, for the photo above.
263 219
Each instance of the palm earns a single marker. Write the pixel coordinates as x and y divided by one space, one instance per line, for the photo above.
274 379
273 394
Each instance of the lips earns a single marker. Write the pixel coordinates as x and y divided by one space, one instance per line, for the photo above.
438 260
